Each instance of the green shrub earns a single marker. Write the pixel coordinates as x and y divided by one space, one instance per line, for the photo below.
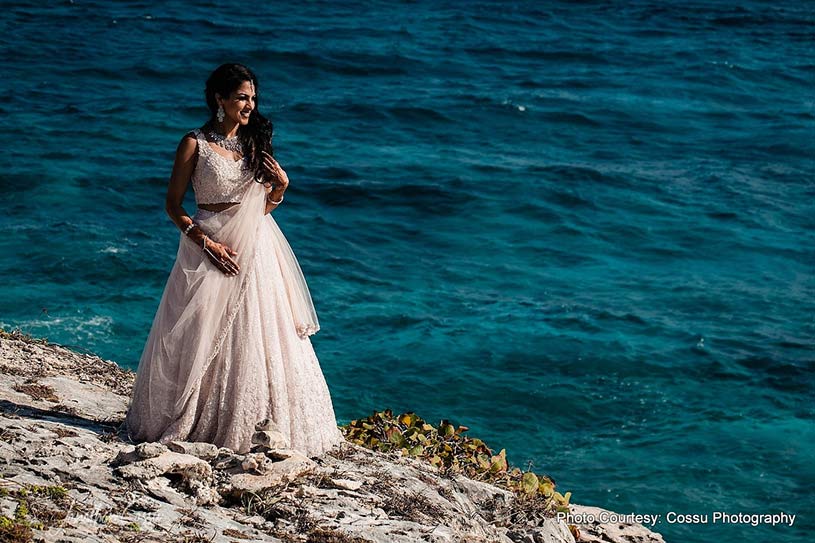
447 448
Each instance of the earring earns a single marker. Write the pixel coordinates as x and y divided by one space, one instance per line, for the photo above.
221 113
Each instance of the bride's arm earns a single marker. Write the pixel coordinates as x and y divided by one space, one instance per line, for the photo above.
273 196
179 180
218 253
274 171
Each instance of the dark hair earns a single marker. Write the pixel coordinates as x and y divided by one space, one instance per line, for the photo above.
256 136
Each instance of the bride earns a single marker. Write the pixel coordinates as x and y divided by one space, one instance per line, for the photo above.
229 345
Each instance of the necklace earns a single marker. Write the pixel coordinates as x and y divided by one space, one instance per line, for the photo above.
230 144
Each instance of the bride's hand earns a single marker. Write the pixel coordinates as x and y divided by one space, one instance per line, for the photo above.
273 171
221 255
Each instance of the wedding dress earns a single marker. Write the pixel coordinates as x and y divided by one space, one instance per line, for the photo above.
227 352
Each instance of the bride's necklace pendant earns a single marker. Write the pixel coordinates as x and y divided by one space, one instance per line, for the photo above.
230 144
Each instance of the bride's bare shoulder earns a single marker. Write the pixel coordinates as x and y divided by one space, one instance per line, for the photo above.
187 148
193 133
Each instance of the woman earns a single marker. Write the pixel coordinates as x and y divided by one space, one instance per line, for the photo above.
229 345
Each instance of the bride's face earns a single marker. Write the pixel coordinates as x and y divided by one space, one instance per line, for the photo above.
240 103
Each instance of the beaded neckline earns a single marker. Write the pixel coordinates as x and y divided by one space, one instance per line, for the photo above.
203 140
230 160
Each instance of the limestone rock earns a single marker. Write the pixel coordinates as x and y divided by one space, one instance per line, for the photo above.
202 450
267 425
611 532
186 465
258 463
552 531
150 450
347 484
275 473
270 439
268 436
203 493
281 453
161 489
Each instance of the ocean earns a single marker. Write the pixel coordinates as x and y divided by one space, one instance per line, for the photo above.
584 230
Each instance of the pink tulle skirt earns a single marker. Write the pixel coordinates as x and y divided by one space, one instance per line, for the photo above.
225 353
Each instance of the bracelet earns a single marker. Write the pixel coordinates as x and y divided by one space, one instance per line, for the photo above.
277 202
189 227
204 243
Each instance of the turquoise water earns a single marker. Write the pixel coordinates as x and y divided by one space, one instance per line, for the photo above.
583 230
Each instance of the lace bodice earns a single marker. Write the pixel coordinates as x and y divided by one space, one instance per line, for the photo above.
217 179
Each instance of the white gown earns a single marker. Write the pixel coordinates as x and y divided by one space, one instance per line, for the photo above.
223 352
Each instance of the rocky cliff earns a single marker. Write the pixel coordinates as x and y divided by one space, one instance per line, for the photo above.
67 475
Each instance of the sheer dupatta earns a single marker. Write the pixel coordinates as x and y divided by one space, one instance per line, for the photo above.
197 309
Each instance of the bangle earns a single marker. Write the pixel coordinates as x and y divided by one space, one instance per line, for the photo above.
277 202
189 227
204 243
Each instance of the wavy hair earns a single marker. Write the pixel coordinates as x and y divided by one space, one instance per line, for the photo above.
256 135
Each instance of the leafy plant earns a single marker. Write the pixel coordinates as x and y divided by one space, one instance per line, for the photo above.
446 447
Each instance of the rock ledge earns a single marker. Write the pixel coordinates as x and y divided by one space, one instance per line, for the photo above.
67 475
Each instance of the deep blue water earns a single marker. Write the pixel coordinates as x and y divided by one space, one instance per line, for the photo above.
583 230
